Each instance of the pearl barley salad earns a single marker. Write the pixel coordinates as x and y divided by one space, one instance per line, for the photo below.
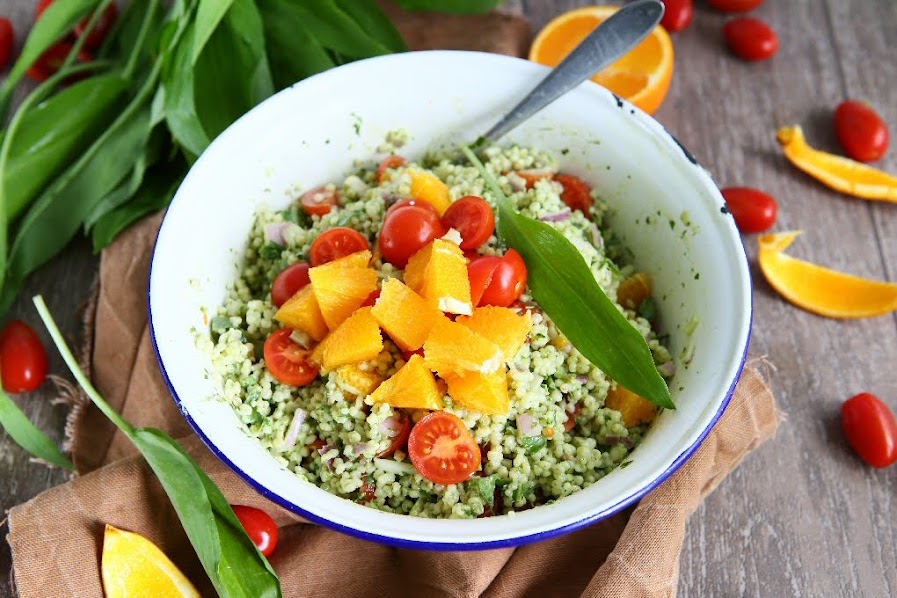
381 343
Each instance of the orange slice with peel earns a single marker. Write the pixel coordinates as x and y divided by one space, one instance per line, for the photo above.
134 566
840 173
642 76
820 290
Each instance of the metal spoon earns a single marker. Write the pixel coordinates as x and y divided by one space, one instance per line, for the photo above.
621 32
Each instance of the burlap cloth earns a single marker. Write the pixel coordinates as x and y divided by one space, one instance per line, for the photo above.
56 538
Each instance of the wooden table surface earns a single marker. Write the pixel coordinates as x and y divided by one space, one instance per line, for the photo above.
802 515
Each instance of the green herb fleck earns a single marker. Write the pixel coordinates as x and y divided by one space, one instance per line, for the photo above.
270 251
485 487
648 308
532 444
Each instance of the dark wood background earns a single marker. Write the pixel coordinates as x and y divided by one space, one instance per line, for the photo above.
802 515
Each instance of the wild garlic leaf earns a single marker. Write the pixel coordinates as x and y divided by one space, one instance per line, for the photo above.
29 437
456 6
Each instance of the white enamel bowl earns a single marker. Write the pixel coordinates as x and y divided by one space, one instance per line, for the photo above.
313 133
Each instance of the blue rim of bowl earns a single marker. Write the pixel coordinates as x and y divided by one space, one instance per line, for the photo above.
491 544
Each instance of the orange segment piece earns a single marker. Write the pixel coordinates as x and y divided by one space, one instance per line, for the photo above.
642 76
417 266
483 393
356 339
500 325
341 288
134 566
428 187
634 290
446 283
357 381
841 174
412 387
405 316
453 348
634 409
820 290
301 312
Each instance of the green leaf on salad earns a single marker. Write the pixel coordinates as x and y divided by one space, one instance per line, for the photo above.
27 436
564 287
456 6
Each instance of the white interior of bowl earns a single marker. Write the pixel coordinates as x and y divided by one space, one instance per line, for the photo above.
314 132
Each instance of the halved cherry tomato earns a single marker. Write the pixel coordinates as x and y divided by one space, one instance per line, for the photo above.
473 217
259 526
577 194
861 131
677 14
403 430
287 361
753 210
497 281
871 429
402 203
442 449
320 200
750 38
571 417
368 491
406 231
389 162
289 282
51 60
534 175
7 41
335 243
23 359
735 5
372 298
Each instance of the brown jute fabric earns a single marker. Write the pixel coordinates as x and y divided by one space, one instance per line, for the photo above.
56 538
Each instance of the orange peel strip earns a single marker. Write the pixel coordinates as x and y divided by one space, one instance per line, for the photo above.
820 290
842 174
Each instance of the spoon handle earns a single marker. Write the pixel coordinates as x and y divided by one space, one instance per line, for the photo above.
621 32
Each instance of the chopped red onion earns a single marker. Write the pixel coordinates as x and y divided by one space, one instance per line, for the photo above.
323 451
557 216
517 182
274 232
667 370
391 426
292 435
582 379
526 424
357 450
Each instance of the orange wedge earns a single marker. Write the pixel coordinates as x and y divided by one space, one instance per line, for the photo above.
134 566
820 290
642 76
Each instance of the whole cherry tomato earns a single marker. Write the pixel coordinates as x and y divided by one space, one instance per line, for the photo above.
751 39
287 361
473 218
754 211
677 14
51 60
7 41
442 449
23 359
406 231
735 5
101 29
871 429
402 427
259 526
388 163
577 194
335 243
861 131
290 281
497 281
320 200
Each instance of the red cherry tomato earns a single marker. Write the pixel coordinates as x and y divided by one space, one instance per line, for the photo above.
406 231
23 359
677 14
411 202
861 131
51 60
335 243
320 200
388 163
473 217
402 424
751 39
7 41
480 271
290 281
753 210
287 361
735 5
534 175
576 194
871 429
507 283
101 29
442 449
259 526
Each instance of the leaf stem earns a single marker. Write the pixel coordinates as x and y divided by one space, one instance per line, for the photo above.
82 39
141 37
76 370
